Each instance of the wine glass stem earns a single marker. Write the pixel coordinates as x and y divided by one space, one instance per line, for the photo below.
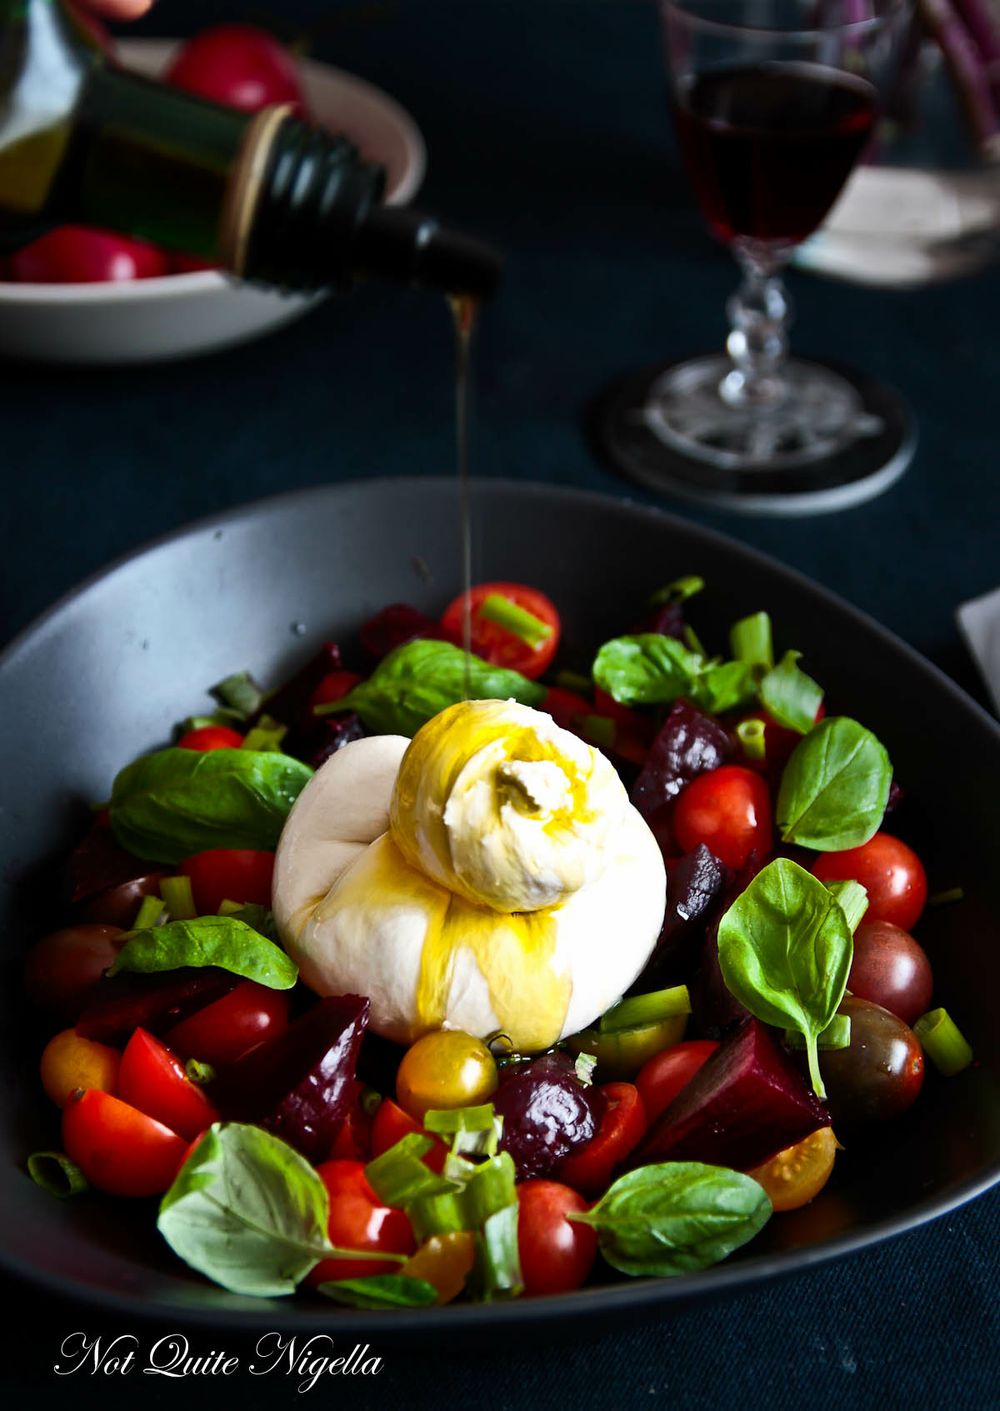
760 313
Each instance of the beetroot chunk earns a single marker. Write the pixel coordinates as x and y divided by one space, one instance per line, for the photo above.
689 743
746 1103
300 1084
396 625
547 1113
156 1002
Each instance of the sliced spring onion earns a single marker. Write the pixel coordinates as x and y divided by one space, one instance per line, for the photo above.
943 1042
151 913
573 681
837 1034
792 697
751 735
499 1263
676 592
267 734
750 640
178 898
55 1173
381 1291
223 716
199 1072
399 1175
639 1010
515 619
853 900
491 1189
693 642
598 730
947 897
584 1068
473 1130
239 693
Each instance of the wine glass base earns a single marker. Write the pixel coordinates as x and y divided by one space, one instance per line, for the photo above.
838 439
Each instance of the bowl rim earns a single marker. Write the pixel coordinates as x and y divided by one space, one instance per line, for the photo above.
637 1294
205 281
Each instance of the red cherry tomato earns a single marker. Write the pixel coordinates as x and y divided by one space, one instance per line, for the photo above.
661 1078
229 874
891 874
358 1220
496 644
62 970
211 737
391 1124
334 685
239 65
622 1127
729 810
119 1149
229 1027
74 254
556 1254
152 1079
189 264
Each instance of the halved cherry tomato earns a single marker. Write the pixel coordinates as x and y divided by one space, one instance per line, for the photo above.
359 1220
75 254
729 810
661 1079
229 874
444 1261
797 1174
496 644
229 1027
391 1124
891 874
556 1254
211 737
70 1063
153 1080
589 1168
334 685
119 1149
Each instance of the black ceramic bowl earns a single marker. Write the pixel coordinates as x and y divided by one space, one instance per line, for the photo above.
108 672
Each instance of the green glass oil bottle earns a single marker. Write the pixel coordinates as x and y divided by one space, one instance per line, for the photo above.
265 195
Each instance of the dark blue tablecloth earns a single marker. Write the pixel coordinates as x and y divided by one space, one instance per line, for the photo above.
547 131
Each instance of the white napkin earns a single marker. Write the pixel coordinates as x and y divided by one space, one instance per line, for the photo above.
904 226
979 623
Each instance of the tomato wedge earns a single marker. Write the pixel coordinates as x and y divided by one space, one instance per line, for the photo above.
391 1124
498 644
153 1080
229 874
622 1128
229 1027
359 1220
797 1174
119 1149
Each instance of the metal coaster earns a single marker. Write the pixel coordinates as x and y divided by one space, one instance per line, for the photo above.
626 432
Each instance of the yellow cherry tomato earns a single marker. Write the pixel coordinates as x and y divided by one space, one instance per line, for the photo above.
444 1261
70 1062
622 1053
798 1173
445 1069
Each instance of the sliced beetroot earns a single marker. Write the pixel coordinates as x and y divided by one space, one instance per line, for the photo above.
329 734
694 881
689 743
547 1113
128 1002
714 1009
396 625
300 1084
97 863
667 619
747 1102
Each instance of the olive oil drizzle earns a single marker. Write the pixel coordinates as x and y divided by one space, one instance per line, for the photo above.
464 309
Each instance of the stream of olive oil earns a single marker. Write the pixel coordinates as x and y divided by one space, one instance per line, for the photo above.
464 308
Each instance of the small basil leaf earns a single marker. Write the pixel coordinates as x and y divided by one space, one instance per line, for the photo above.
725 686
834 788
792 697
676 1217
381 1291
785 951
247 1211
168 805
422 678
222 941
646 669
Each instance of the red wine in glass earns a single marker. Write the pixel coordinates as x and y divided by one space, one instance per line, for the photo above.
768 146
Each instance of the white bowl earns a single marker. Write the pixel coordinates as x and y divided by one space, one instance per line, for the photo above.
149 320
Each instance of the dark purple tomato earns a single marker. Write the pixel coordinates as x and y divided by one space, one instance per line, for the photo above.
891 969
881 1071
547 1113
119 906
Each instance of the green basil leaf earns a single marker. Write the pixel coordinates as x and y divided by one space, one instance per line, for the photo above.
420 679
168 805
835 787
792 697
676 1217
785 951
725 686
222 941
646 669
247 1211
381 1291
489 1189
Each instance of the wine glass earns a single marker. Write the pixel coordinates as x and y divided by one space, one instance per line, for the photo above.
774 102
